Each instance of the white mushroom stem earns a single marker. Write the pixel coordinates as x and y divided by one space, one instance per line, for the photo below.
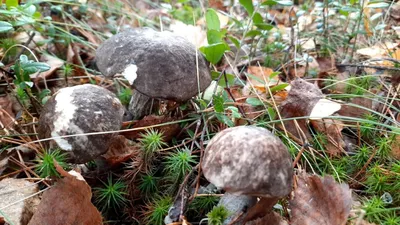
140 105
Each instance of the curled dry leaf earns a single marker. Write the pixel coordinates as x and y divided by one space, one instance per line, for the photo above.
169 131
6 113
259 78
396 147
120 151
333 131
320 201
67 203
358 107
271 218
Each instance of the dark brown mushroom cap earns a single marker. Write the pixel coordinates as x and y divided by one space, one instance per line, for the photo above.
165 63
77 110
248 160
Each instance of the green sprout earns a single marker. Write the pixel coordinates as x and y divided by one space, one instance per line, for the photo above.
112 195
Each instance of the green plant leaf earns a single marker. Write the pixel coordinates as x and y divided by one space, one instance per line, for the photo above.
285 2
235 112
269 3
5 27
271 113
218 104
257 18
214 52
274 74
274 2
254 101
30 10
11 3
226 120
36 67
214 36
279 87
230 79
264 26
248 5
253 33
378 5
212 20
9 12
235 41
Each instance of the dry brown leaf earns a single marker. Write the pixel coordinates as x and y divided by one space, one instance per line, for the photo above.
326 64
261 209
396 147
271 218
261 78
250 111
217 4
6 114
333 131
354 108
169 131
120 151
68 202
320 201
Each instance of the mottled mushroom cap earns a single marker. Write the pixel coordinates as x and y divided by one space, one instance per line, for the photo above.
248 160
157 64
77 110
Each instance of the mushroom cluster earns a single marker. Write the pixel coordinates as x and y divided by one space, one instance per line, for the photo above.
158 65
75 111
249 160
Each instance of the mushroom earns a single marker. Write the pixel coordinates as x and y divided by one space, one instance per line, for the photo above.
78 110
158 65
249 160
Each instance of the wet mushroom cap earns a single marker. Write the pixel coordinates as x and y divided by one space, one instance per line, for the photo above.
77 110
157 64
248 160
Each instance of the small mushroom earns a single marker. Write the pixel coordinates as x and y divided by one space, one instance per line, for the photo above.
78 110
249 160
158 65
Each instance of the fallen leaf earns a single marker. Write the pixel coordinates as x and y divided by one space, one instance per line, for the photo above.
320 201
357 107
120 151
259 78
396 147
326 64
169 131
68 202
217 4
333 131
18 200
6 113
261 209
271 218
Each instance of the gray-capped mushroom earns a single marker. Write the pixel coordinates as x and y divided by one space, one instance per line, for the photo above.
158 65
78 110
248 160
251 161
